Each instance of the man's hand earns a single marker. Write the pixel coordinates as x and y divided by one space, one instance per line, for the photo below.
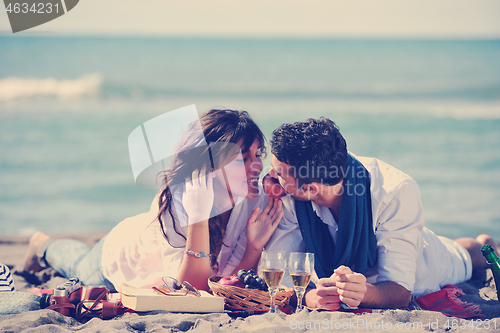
325 296
343 286
351 286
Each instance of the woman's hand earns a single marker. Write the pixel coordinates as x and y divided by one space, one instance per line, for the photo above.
259 230
197 199
261 227
198 196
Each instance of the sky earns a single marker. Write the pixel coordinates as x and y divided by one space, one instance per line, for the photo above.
461 19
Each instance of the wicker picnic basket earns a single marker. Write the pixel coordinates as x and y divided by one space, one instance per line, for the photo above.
236 298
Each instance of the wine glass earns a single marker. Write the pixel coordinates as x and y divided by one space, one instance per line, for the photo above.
301 266
273 269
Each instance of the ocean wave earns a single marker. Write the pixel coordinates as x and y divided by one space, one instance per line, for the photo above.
280 90
113 97
456 109
13 88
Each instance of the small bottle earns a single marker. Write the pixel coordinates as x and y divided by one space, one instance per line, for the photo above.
494 262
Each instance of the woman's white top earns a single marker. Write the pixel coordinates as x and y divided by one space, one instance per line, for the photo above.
136 252
408 253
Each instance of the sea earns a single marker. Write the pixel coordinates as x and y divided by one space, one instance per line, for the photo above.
430 108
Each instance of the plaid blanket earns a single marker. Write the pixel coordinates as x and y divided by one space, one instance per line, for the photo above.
445 301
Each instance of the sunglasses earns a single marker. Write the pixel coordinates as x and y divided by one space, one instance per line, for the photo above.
172 287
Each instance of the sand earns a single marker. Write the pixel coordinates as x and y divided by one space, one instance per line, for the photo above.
479 291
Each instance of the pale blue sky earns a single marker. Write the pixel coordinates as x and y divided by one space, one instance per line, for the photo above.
283 18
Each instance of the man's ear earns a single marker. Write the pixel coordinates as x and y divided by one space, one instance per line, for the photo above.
313 189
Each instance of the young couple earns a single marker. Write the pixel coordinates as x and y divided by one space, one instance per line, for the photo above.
362 218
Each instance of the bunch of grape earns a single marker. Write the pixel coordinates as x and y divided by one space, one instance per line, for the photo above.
252 280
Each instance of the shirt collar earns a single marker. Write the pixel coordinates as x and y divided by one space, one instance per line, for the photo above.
325 215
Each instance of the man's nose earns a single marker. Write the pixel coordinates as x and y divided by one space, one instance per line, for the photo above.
272 173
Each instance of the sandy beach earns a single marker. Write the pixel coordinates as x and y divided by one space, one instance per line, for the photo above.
479 291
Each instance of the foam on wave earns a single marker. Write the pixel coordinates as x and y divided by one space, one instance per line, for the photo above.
12 88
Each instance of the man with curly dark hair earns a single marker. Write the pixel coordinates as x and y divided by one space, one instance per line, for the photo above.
363 220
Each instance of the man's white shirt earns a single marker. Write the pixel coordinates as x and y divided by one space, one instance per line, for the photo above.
408 253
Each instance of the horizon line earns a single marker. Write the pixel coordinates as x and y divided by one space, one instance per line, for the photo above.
56 34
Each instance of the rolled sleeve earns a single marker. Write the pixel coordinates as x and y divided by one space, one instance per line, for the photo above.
399 236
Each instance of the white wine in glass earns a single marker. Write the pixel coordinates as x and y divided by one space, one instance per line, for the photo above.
300 279
301 266
273 277
273 269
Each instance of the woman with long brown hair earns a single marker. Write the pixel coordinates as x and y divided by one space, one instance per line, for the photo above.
209 218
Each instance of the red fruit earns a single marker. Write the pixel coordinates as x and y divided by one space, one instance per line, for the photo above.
232 280
272 187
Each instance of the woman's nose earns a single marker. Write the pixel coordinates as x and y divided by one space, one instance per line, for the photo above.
257 165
